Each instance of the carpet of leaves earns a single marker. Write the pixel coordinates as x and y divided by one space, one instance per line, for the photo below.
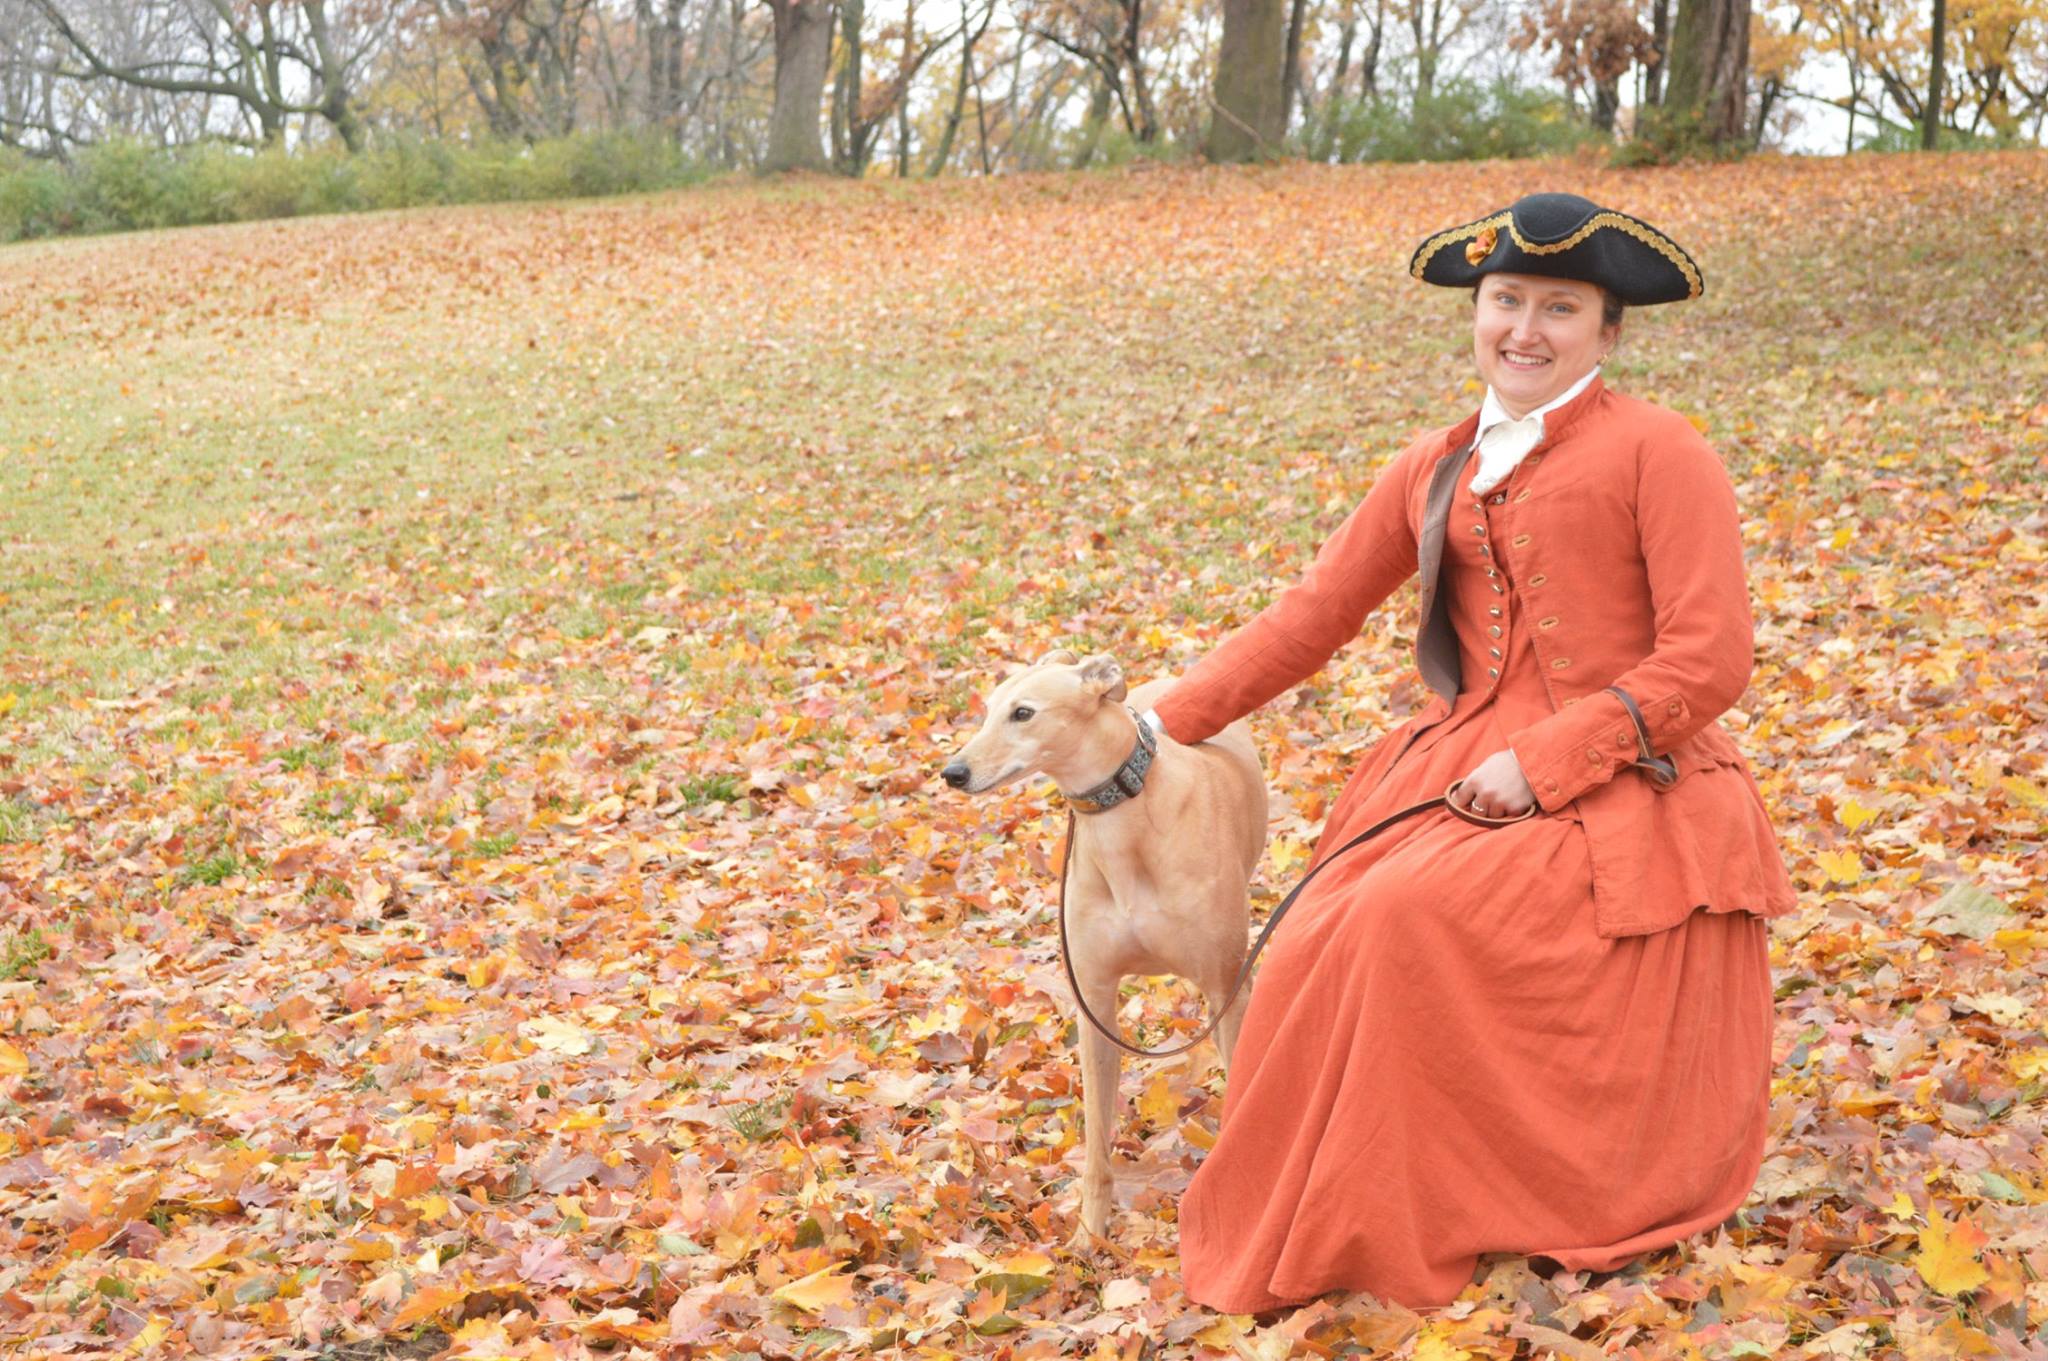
472 872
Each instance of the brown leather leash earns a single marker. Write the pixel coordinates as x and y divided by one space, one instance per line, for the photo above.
1244 971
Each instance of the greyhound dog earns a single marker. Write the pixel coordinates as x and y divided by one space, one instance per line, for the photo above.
1159 877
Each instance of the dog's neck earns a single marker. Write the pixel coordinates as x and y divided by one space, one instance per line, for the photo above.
1119 731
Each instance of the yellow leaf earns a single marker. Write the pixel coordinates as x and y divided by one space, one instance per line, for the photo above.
1854 814
2025 790
364 1249
12 1060
1434 1348
1029 1263
7 703
1158 1105
556 1035
152 1333
429 1301
819 1289
1902 1207
1842 537
1843 867
1947 1259
1197 1133
2030 1064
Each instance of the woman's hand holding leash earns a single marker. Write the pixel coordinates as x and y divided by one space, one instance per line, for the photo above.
1496 787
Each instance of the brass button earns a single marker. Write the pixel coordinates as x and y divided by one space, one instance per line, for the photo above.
1593 756
1484 549
1522 495
1494 650
1560 663
1494 629
1519 540
1493 671
1538 579
1551 786
1493 609
1672 707
1476 505
1496 590
1549 623
1623 739
1479 529
1534 459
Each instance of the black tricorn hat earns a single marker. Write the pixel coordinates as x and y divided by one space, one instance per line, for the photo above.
1565 237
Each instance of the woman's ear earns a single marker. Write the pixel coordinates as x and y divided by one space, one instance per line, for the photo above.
1103 676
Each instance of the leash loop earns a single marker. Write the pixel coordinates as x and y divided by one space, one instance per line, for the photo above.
1112 1034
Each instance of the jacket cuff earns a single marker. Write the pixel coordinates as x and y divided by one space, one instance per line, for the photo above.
1585 743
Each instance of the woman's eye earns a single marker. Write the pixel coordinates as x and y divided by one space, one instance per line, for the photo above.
1020 713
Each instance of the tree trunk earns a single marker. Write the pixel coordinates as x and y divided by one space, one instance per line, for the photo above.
1092 125
1290 89
1606 102
1930 123
1660 37
803 45
1249 114
1708 73
847 157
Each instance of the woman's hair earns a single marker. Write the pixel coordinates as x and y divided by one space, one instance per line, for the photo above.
1611 305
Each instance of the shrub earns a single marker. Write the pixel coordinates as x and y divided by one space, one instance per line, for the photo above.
1461 121
125 184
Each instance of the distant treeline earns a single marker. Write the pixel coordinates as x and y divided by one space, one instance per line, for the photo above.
445 100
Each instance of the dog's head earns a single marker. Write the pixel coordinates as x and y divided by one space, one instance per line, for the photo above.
1037 720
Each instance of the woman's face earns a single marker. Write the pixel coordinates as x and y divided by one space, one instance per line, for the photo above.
1533 336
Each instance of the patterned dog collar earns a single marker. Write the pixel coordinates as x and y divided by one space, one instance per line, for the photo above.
1128 781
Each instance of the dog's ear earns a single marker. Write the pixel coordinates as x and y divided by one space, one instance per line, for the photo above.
1065 656
1103 676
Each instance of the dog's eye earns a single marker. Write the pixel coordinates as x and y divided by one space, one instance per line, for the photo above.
1020 713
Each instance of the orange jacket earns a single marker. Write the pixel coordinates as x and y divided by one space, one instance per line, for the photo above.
1632 545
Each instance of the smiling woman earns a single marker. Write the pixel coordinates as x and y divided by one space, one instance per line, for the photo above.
1549 1037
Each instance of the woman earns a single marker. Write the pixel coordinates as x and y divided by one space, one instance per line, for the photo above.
1549 1037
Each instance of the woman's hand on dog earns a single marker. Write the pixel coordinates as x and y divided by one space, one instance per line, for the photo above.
1496 788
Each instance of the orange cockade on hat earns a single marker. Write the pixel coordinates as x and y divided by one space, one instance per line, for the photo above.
1480 246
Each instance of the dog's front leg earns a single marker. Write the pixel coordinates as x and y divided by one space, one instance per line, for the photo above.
1101 1070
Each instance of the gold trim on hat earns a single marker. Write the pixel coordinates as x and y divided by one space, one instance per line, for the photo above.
1628 226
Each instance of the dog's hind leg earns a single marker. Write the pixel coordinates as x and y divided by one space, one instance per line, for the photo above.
1226 1029
1101 1070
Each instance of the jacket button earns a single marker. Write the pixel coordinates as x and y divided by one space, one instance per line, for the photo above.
1499 497
1520 539
1593 756
1479 529
1551 786
1560 663
1493 609
1673 706
1494 629
1522 495
1623 739
1538 579
1494 650
1573 700
1496 590
1493 671
1489 570
1484 549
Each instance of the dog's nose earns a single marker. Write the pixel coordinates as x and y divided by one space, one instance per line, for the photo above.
955 774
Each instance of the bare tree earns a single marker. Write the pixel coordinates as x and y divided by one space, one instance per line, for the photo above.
271 61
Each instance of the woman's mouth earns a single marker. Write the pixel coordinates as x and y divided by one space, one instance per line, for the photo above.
1516 360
